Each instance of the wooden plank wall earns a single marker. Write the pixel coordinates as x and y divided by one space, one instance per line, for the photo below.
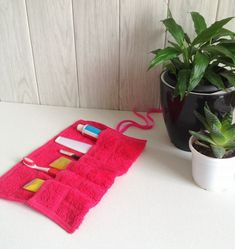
89 53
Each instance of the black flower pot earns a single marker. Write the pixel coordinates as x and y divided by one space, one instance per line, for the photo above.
178 115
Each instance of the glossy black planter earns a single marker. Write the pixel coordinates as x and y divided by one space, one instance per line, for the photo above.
178 115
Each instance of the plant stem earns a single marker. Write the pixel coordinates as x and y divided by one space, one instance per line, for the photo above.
185 56
201 144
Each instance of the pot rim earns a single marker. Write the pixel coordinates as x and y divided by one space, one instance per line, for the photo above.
228 90
194 151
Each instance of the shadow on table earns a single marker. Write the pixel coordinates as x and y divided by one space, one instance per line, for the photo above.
170 160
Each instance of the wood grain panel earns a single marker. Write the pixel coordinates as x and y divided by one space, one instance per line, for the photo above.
140 32
97 42
181 12
52 35
227 9
90 53
17 77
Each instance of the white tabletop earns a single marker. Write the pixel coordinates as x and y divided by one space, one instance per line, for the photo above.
156 205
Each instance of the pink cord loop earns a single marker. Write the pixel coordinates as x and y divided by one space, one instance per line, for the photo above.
149 121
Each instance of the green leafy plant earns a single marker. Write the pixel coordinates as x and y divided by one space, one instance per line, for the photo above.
219 133
208 58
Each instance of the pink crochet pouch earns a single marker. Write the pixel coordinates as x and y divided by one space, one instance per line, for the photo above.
67 198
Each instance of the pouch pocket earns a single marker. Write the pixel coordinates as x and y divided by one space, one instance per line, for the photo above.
115 151
102 177
61 203
91 190
11 184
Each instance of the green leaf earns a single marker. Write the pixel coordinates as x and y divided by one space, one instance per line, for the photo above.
177 63
182 82
229 76
201 62
170 67
229 46
163 55
211 118
192 51
226 41
214 79
219 50
201 119
186 37
225 61
175 30
227 121
199 22
230 133
211 31
223 33
201 137
155 51
175 45
230 145
218 151
217 136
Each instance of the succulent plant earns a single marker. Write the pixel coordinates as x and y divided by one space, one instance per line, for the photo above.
208 59
219 133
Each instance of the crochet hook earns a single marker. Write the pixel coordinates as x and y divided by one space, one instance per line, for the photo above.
31 164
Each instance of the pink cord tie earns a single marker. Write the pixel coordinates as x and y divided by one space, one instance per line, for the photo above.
149 121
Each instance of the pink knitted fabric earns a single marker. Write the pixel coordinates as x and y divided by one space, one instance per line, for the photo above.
67 198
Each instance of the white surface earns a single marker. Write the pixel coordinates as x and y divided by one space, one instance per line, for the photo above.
156 205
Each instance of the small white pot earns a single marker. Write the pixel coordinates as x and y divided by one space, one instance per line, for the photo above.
212 173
